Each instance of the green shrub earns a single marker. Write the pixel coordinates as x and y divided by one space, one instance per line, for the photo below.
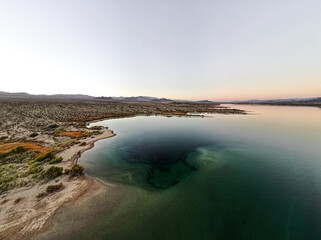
19 149
55 160
50 189
67 171
76 170
22 183
53 172
35 168
4 187
48 155
54 188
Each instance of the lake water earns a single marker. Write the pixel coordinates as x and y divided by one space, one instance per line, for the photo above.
255 176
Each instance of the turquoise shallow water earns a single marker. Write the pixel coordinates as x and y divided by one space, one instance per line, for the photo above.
219 177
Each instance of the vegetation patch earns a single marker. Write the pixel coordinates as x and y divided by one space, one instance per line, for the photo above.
28 146
73 134
20 167
35 168
76 170
50 189
19 149
45 157
8 177
53 172
56 160
54 188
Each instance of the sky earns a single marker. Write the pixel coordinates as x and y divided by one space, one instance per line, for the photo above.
181 49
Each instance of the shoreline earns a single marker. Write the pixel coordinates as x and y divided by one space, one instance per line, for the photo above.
30 217
73 153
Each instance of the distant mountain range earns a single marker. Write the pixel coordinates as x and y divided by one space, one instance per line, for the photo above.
23 95
289 101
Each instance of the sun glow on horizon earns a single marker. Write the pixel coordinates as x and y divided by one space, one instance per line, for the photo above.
174 49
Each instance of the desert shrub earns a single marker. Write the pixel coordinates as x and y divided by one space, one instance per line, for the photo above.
76 170
41 195
33 135
53 172
83 144
39 176
22 183
8 177
35 168
54 188
50 189
19 149
4 186
55 160
17 200
67 171
46 156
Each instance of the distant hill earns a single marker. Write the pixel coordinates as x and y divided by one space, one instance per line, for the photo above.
163 100
23 95
290 101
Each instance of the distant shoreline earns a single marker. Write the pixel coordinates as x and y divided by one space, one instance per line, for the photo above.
282 104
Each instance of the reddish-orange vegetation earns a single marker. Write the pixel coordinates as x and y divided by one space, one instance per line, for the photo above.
73 134
29 146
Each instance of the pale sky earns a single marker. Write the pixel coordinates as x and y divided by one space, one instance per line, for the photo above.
181 49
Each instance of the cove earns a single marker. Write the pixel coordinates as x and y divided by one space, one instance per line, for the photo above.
219 177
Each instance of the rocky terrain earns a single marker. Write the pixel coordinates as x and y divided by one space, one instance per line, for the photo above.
22 119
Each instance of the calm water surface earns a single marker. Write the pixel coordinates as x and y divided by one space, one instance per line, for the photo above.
219 177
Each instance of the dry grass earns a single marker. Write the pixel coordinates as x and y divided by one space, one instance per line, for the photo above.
29 146
73 134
